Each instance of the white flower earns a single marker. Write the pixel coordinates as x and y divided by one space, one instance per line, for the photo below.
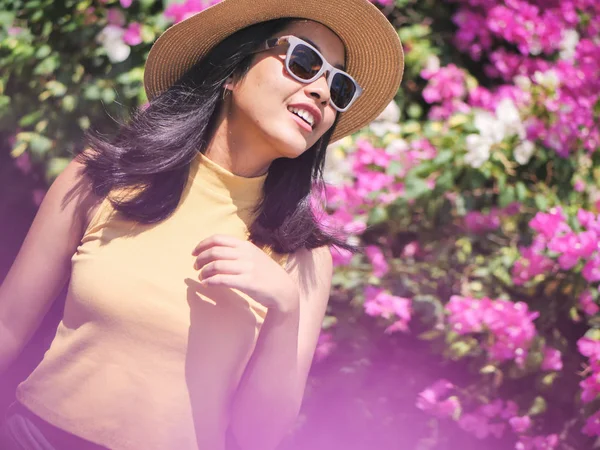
337 167
397 147
380 129
111 38
387 121
478 150
508 114
523 82
432 64
535 46
524 151
568 44
489 126
391 113
548 79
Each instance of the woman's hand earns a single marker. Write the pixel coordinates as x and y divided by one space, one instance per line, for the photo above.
234 263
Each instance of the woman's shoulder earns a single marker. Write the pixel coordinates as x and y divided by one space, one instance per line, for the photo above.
306 260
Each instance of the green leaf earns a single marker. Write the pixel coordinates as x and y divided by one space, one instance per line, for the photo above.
56 88
43 51
415 187
108 95
56 166
430 335
328 322
507 196
147 34
394 168
69 102
39 144
487 369
92 92
521 191
541 202
6 19
4 102
31 118
444 157
47 66
445 181
538 406
414 111
377 215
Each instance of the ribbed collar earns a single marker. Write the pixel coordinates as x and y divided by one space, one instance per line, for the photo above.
207 174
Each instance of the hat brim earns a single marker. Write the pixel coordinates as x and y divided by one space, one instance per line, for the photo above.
374 55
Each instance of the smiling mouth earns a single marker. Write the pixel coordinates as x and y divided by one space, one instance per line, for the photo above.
304 115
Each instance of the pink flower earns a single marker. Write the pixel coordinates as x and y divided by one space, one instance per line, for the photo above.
579 186
552 359
590 388
340 256
591 270
477 222
587 304
38 196
520 424
533 263
589 347
478 425
325 345
23 163
510 325
537 442
126 3
411 249
381 303
549 224
587 219
132 34
115 16
492 409
446 86
367 155
181 11
510 410
380 265
592 425
429 400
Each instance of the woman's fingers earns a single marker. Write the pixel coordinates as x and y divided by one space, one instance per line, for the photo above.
226 280
214 254
221 240
213 268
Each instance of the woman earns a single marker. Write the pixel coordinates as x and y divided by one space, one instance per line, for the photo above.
198 275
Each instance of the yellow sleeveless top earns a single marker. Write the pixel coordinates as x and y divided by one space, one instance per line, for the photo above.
145 357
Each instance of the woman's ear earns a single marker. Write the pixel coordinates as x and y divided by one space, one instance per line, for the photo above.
229 83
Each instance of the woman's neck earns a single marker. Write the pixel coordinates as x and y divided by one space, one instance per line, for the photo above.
237 150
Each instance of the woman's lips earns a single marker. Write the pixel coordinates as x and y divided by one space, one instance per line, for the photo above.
304 125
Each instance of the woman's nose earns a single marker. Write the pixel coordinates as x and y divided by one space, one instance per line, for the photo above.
319 90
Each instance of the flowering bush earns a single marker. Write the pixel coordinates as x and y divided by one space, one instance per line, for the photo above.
474 194
492 232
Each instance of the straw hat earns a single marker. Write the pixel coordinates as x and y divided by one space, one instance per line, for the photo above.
374 54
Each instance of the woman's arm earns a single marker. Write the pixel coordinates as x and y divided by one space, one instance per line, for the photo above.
44 261
270 393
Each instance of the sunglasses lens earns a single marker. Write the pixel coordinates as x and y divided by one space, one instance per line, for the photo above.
304 62
342 90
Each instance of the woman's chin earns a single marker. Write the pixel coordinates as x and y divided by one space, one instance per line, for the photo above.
292 148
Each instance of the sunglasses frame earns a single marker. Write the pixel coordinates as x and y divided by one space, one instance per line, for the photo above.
293 42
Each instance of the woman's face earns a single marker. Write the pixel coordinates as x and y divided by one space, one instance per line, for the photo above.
260 102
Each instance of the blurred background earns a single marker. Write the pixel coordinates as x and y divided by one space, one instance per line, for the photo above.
471 319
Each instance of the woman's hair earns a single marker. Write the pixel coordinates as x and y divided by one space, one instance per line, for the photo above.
152 152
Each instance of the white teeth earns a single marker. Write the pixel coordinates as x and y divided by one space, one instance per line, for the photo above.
303 114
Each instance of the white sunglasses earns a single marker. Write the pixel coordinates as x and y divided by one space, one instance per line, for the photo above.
305 64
